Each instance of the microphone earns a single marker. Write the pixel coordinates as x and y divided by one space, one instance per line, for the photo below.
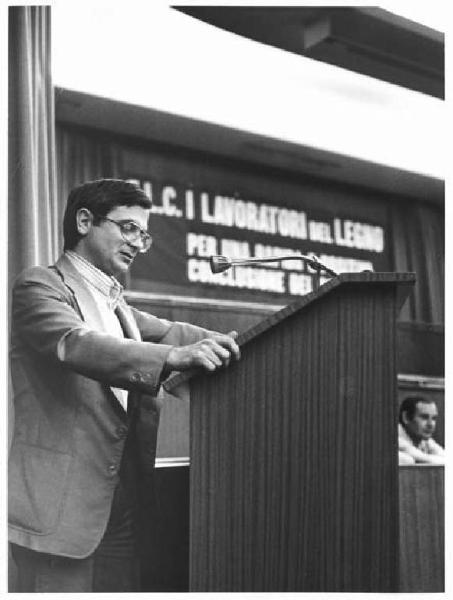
223 263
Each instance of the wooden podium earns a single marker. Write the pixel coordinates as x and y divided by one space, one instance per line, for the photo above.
294 470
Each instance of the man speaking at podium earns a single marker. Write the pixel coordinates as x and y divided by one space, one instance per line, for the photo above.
86 370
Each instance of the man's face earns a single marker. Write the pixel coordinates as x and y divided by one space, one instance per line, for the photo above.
423 423
104 246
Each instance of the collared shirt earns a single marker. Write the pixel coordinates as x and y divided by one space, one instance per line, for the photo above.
426 446
106 292
105 286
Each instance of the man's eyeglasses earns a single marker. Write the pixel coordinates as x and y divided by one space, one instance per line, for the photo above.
131 233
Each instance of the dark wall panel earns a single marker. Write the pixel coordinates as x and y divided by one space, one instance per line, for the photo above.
421 528
421 348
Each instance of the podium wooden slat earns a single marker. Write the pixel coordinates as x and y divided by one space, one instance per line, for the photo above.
294 480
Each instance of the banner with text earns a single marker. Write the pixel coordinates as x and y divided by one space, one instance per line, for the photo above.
190 224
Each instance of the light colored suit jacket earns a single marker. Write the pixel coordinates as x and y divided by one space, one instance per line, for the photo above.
70 430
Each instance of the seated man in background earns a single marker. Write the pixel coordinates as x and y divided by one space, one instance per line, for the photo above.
417 423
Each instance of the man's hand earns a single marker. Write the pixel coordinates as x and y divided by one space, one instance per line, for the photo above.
209 353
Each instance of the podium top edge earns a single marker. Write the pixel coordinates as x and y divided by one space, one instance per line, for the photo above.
376 276
404 280
400 280
379 276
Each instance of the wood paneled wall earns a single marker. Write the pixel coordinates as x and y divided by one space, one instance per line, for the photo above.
421 489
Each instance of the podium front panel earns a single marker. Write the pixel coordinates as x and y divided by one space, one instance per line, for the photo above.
293 454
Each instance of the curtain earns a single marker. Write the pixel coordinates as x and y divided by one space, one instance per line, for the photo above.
418 245
33 213
82 158
32 210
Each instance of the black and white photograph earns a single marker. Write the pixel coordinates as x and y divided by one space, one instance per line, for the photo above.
225 297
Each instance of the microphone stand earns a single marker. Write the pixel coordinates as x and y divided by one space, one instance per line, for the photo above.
222 263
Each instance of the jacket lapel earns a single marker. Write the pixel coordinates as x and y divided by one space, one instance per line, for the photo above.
87 306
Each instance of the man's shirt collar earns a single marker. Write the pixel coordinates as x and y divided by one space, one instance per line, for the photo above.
107 285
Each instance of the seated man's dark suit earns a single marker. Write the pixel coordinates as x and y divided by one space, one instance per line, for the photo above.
70 429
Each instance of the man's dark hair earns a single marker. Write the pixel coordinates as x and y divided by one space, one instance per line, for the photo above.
409 406
99 197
